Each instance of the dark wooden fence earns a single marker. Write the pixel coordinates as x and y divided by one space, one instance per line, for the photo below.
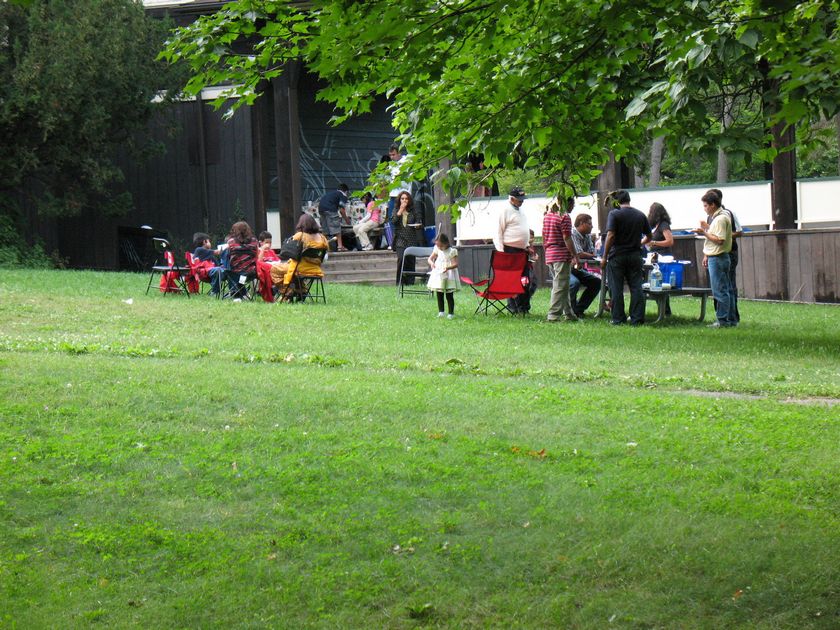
787 265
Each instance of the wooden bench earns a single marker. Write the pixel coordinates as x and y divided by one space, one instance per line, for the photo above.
661 298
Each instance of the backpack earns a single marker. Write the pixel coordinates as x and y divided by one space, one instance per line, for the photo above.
291 249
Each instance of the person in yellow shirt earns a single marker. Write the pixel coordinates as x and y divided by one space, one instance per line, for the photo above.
718 234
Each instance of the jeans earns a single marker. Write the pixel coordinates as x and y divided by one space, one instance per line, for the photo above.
733 265
592 284
560 301
621 268
719 267
216 274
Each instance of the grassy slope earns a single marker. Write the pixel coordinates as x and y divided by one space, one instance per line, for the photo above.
365 464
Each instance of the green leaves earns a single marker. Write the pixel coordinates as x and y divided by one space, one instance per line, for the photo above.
562 88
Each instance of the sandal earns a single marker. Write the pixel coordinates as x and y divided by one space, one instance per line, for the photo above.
343 249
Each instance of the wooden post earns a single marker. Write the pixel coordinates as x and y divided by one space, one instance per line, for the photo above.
444 219
287 138
202 163
783 194
259 133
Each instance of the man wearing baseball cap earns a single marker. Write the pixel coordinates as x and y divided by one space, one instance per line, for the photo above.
512 231
512 236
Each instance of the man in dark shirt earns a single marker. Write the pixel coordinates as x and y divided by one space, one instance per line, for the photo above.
623 258
329 207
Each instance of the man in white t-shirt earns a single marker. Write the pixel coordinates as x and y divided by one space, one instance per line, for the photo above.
512 230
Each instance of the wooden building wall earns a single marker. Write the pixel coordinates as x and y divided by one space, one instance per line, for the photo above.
177 193
344 154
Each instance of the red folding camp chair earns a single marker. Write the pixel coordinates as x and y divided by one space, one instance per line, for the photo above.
504 282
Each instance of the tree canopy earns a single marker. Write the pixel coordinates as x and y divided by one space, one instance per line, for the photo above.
77 78
556 86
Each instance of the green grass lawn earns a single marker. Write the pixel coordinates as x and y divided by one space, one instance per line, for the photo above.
183 462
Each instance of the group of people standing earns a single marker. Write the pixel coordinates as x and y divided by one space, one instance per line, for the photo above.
569 252
623 263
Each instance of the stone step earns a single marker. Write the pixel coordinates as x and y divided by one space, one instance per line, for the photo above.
360 275
373 267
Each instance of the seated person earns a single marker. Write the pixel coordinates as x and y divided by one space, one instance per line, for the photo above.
265 253
308 233
206 257
266 259
242 253
371 221
581 236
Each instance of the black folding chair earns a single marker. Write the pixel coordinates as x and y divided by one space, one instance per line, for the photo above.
241 284
306 287
165 267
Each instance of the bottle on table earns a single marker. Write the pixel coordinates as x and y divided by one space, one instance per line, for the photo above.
655 279
672 279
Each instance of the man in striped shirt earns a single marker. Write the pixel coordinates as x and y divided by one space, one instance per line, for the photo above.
560 255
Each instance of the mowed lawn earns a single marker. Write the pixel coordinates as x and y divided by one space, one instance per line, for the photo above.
172 462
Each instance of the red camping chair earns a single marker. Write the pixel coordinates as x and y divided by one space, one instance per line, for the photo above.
505 281
199 273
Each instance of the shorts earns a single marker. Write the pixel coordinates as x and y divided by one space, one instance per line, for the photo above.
330 223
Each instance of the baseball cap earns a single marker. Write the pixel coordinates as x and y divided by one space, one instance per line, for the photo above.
517 192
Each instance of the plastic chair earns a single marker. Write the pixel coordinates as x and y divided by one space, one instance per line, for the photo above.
504 281
172 276
308 287
416 252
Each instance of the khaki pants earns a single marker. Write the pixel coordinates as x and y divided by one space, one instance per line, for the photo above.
361 230
560 302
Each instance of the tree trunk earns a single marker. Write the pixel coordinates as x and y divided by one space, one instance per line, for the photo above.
656 151
783 191
723 158
614 176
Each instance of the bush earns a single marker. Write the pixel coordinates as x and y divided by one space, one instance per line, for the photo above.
16 252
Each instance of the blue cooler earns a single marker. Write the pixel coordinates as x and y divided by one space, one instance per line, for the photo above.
677 269
431 232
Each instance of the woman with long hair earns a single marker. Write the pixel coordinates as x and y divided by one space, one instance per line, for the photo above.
661 239
309 234
408 232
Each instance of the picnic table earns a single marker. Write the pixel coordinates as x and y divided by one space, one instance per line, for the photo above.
662 296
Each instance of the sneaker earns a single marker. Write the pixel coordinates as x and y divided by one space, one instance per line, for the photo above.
715 325
367 248
441 314
450 316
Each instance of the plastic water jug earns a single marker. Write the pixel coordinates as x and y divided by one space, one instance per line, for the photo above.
655 279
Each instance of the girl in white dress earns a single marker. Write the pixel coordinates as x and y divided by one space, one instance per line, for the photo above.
444 278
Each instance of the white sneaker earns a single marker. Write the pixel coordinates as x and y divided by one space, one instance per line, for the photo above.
441 314
450 316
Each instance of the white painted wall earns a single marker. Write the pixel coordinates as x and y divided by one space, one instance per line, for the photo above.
819 201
